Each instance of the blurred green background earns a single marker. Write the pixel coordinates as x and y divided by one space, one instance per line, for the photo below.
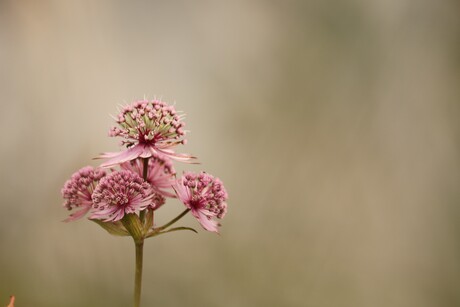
333 124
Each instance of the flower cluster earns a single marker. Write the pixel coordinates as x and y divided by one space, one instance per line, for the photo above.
78 190
205 196
122 194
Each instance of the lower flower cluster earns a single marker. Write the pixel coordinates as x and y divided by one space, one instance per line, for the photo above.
122 195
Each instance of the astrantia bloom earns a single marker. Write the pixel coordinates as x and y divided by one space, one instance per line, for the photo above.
78 189
120 193
160 173
148 128
205 196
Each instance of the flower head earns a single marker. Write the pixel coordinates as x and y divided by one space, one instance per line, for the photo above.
78 189
148 128
160 173
205 196
120 193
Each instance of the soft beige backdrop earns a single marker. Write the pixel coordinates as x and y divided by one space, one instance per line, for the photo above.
333 124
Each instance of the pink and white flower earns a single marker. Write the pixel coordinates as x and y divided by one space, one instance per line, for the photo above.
123 192
148 128
160 173
78 189
205 196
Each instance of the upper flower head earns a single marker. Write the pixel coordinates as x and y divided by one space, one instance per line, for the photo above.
146 122
160 173
120 193
78 189
148 128
205 196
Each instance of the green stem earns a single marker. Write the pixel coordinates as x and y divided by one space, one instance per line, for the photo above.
174 220
138 277
146 168
145 162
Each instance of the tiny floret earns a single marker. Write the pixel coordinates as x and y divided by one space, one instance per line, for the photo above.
205 196
120 193
78 189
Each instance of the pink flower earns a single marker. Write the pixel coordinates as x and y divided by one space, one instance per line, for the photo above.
120 193
78 189
12 299
160 173
205 196
148 128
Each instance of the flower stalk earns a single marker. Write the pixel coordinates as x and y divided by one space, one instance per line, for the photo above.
140 242
173 220
138 269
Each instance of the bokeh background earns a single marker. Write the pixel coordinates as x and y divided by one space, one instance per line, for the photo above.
333 124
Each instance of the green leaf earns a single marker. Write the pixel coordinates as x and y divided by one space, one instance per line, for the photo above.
114 228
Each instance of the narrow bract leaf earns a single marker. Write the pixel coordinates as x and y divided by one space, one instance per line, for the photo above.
157 233
148 220
114 228
134 226
180 228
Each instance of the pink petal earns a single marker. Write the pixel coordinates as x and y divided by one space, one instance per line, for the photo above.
104 214
182 192
208 224
77 214
178 157
122 156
